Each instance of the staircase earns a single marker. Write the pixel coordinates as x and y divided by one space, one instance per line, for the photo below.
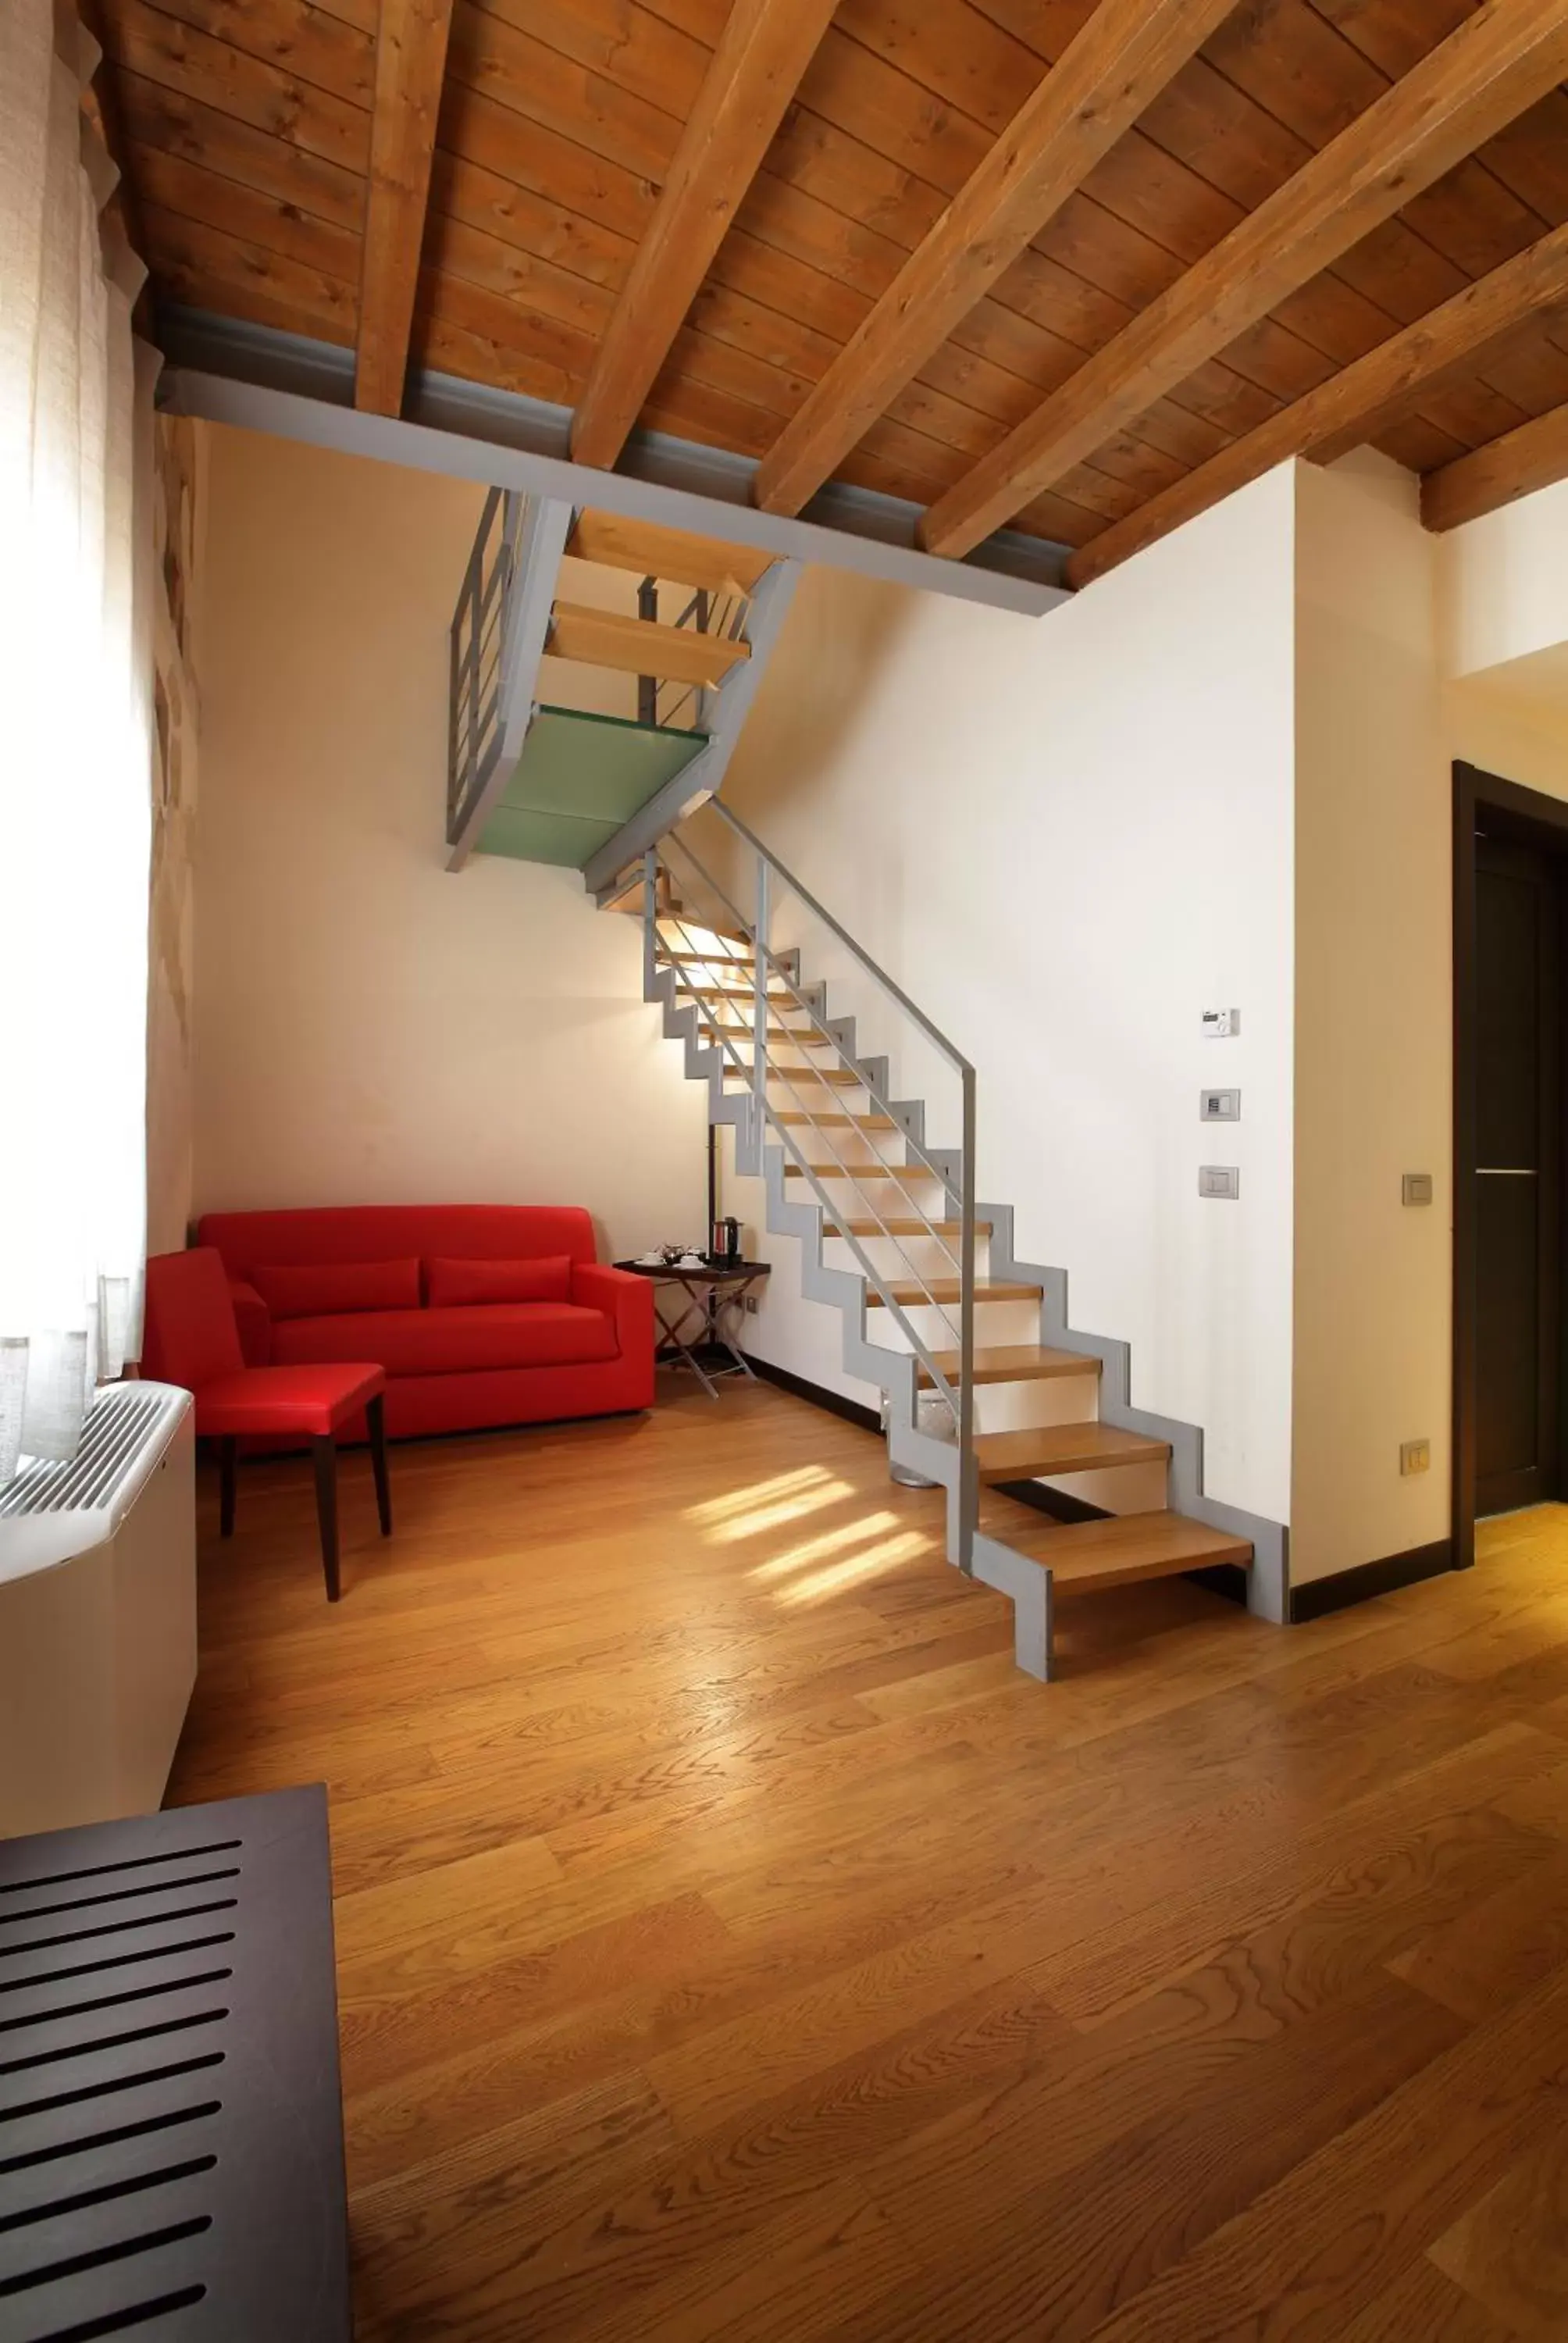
989 1387
989 1391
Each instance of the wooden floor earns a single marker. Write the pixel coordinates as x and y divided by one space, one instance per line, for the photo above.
732 1944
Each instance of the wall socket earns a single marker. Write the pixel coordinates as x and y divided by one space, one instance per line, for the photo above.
1414 1456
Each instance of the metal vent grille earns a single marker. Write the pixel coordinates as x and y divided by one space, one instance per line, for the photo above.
171 2159
122 1419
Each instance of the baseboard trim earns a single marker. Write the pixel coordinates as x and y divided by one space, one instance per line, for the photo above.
851 1409
1319 1596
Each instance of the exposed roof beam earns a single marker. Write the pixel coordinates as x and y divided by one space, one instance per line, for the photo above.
1498 63
1350 406
1113 69
1536 456
763 50
410 63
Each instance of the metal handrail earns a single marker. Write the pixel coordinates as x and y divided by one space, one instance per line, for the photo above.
764 1067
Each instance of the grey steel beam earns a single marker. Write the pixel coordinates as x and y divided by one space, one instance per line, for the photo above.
261 379
527 625
731 704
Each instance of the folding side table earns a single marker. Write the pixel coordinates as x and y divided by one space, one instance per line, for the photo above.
710 1301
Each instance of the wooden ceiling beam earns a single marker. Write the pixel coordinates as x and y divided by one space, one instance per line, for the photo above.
1350 407
1498 63
1536 456
765 47
410 66
1105 77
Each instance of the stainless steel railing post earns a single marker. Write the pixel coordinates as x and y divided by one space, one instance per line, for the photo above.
969 1481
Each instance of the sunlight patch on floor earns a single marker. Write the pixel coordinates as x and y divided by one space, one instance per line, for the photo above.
770 1505
870 1564
818 1549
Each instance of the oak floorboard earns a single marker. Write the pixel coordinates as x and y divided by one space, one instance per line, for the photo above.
733 1944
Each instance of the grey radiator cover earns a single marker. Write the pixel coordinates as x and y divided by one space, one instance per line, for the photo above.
171 2138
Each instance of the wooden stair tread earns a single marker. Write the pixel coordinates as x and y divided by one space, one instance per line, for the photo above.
898 1172
1015 1362
836 1121
840 1076
647 549
1082 1556
736 1032
946 1289
901 1228
707 960
777 993
640 646
1064 1448
739 1033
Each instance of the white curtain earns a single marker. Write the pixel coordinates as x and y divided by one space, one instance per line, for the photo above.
74 759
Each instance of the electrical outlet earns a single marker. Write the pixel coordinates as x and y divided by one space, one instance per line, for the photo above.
1415 1456
749 1302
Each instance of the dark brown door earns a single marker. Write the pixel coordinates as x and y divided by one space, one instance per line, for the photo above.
1518 1202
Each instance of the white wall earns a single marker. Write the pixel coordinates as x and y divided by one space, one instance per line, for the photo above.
1066 837
369 1026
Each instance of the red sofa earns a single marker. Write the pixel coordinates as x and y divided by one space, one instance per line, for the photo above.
480 1313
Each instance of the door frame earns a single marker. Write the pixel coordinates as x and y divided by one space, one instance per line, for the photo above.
1528 818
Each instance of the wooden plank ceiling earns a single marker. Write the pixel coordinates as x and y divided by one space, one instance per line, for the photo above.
1122 318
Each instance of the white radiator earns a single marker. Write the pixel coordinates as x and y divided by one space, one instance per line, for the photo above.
97 1615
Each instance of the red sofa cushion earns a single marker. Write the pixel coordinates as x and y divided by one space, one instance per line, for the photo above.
329 1288
363 1233
451 1284
449 1341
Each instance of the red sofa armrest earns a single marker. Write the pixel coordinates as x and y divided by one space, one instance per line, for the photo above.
626 1299
254 1319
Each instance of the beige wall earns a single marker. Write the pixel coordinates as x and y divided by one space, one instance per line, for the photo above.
369 1027
1378 723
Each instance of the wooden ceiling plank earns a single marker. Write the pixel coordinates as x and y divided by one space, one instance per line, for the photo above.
174 125
1126 52
410 65
1534 457
198 192
176 56
1494 65
1348 409
211 269
766 47
300 40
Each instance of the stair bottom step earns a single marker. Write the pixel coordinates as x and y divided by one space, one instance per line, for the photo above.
1088 1558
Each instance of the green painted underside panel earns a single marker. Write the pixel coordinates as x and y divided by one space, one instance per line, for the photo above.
579 777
